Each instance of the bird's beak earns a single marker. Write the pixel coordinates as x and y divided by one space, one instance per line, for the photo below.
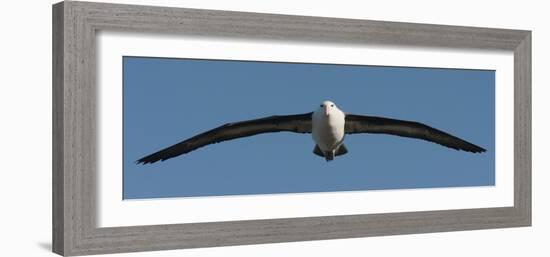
326 112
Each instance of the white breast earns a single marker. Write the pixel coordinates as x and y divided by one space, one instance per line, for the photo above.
328 131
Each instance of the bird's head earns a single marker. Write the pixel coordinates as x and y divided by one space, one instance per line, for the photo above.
328 107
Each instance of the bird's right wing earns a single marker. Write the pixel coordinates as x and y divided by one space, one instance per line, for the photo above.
300 123
379 125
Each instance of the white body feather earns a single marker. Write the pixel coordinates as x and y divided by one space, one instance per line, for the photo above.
328 127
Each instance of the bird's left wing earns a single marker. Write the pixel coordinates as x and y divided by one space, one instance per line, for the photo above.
379 125
300 123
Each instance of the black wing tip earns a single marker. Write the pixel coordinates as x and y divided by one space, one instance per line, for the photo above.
480 150
473 149
142 162
476 151
147 160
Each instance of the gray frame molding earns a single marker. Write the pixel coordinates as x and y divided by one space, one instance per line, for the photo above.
74 129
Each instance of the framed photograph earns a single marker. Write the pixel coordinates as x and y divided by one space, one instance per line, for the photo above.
182 128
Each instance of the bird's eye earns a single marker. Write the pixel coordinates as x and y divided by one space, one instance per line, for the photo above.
332 105
322 105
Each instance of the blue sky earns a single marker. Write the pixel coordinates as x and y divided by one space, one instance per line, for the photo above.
169 100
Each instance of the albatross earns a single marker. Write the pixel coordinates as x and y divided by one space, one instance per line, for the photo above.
328 126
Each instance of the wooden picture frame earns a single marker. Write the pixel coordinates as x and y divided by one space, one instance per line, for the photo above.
75 25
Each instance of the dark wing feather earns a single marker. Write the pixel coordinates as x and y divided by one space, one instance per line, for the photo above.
378 125
300 123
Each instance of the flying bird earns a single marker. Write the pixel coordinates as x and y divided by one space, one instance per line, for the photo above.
328 126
